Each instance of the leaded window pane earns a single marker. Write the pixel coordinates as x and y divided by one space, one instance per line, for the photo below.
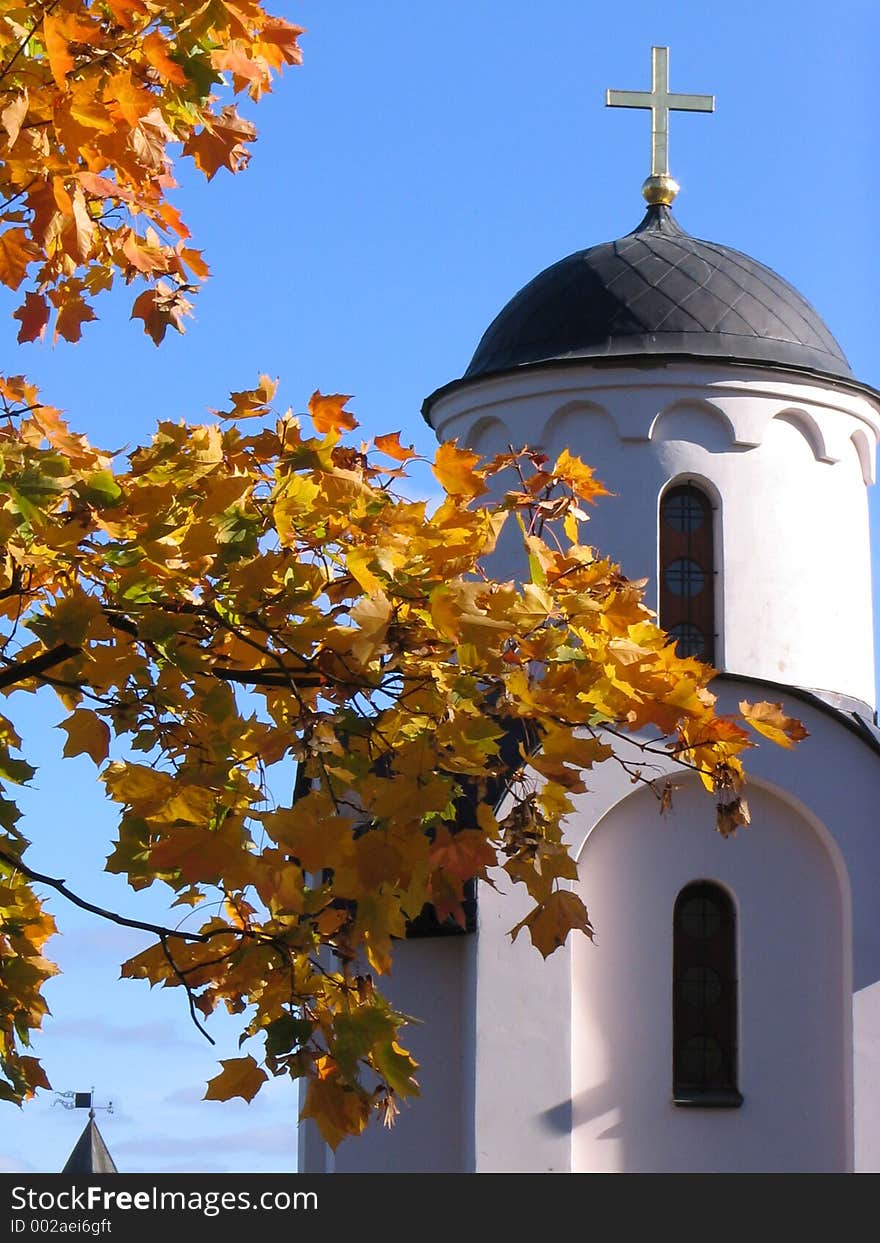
684 577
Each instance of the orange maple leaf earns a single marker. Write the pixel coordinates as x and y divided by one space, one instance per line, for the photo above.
284 36
220 144
17 251
57 49
391 445
328 414
463 854
160 308
156 52
73 312
34 316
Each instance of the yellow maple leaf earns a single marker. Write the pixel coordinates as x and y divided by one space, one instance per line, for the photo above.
316 839
579 477
339 1110
770 720
87 734
373 617
137 784
358 561
550 922
456 469
241 1076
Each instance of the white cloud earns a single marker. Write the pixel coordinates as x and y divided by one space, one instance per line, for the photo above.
265 1139
12 1165
148 1033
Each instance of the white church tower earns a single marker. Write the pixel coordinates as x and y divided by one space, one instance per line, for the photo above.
727 1018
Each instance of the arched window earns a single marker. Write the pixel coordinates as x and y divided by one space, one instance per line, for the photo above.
687 571
704 1002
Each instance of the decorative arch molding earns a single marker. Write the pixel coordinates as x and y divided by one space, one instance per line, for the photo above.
488 434
809 427
576 423
819 828
866 455
697 421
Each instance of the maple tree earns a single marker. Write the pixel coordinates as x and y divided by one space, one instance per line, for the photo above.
258 590
93 94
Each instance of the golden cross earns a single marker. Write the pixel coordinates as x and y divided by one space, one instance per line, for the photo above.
661 102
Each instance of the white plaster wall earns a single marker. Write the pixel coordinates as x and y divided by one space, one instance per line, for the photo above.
836 776
806 876
432 981
794 1022
866 1056
522 1041
788 461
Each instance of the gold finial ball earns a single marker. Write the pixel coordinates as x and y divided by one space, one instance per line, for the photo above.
660 188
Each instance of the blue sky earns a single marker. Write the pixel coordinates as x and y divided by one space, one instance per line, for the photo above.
421 166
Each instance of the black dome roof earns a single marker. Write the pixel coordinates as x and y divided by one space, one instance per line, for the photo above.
659 291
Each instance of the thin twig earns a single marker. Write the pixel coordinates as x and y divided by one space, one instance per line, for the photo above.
189 993
159 930
44 12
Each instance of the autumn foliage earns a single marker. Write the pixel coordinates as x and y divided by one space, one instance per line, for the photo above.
93 96
255 593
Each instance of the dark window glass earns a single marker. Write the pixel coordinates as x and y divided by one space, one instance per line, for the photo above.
689 639
704 998
687 571
700 916
683 510
702 1058
700 986
684 577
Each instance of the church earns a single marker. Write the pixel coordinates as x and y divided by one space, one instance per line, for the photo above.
727 1016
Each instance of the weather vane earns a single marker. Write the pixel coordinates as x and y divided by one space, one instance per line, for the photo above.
660 187
81 1100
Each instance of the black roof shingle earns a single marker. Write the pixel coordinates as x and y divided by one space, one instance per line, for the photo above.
659 291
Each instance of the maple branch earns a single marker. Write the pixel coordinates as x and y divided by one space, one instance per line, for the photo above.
186 988
119 622
210 962
303 676
163 933
18 194
287 675
19 610
60 886
648 748
269 677
14 587
30 668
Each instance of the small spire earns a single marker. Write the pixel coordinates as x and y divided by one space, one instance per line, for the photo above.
660 187
90 1154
